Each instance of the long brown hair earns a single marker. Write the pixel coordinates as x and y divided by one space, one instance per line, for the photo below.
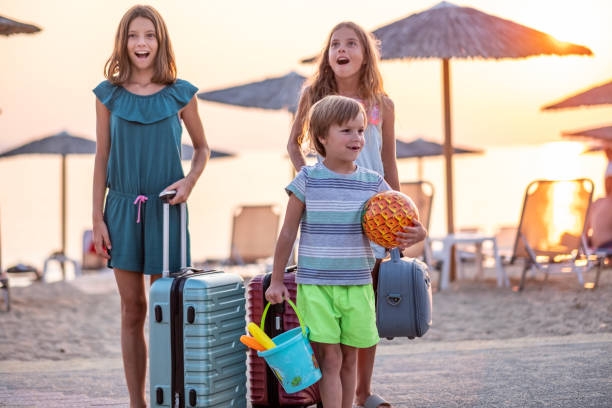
118 68
323 82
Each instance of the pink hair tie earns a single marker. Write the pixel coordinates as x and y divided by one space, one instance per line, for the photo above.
139 200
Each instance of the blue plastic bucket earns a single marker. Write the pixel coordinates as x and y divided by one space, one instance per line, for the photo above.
292 360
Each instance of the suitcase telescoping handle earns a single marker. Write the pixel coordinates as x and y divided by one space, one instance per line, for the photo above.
166 196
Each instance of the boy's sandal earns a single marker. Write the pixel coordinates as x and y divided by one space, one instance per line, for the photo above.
375 401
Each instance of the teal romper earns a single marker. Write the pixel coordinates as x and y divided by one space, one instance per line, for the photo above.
145 158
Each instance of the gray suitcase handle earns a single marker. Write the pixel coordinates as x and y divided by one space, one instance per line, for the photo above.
395 255
165 196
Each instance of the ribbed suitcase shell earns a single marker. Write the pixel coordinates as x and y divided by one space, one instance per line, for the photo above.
404 301
266 391
214 358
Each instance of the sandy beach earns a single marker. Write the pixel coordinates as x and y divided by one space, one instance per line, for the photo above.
80 318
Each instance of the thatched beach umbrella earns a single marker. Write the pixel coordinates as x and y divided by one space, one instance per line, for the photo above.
597 95
277 93
8 27
62 144
448 31
603 134
420 148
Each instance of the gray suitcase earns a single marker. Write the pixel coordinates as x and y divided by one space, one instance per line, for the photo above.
196 320
403 302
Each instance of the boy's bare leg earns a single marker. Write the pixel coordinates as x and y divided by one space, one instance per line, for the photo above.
330 361
348 374
133 344
365 368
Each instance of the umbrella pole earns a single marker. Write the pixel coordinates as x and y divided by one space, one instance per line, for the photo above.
420 168
448 159
63 218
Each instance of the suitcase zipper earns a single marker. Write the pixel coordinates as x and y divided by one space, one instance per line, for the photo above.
269 328
177 322
178 379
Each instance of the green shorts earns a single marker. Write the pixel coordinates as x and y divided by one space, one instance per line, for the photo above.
339 314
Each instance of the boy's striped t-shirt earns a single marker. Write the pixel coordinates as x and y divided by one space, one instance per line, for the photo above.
333 249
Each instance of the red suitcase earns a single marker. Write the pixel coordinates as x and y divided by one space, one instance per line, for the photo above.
266 391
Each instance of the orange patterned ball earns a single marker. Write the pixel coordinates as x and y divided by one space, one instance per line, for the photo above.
387 213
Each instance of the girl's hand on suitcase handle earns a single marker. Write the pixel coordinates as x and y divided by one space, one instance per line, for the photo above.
183 188
412 235
101 239
277 292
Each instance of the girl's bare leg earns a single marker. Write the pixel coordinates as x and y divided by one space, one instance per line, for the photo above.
133 345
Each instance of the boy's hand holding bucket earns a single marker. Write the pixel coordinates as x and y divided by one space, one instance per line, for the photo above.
276 292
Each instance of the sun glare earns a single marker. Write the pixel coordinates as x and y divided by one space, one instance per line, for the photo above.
566 24
561 160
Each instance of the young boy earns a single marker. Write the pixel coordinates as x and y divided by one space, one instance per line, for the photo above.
335 295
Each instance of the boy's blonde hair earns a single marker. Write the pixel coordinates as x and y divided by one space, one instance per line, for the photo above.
323 82
118 68
331 110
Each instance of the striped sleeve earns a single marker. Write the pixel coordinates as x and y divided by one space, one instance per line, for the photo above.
298 186
383 185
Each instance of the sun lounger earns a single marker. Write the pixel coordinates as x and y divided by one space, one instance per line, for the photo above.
552 225
254 232
422 193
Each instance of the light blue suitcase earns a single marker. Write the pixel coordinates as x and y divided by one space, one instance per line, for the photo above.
196 320
403 301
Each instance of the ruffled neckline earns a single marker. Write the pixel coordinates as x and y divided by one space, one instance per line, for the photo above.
145 109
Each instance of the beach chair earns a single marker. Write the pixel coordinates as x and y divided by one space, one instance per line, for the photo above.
90 259
422 193
552 226
505 237
599 258
4 282
254 232
6 291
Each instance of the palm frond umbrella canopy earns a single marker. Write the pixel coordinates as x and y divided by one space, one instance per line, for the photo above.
187 153
602 134
419 148
62 144
597 95
277 93
448 31
8 27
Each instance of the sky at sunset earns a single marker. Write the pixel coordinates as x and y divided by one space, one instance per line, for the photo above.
47 78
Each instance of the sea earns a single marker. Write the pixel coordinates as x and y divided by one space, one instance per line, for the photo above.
488 193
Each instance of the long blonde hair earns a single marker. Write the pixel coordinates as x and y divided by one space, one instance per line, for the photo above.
118 68
323 82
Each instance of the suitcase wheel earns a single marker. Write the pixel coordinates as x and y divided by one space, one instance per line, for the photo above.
159 394
191 314
193 398
158 314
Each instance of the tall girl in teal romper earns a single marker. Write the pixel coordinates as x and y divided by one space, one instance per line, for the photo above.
139 109
145 157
